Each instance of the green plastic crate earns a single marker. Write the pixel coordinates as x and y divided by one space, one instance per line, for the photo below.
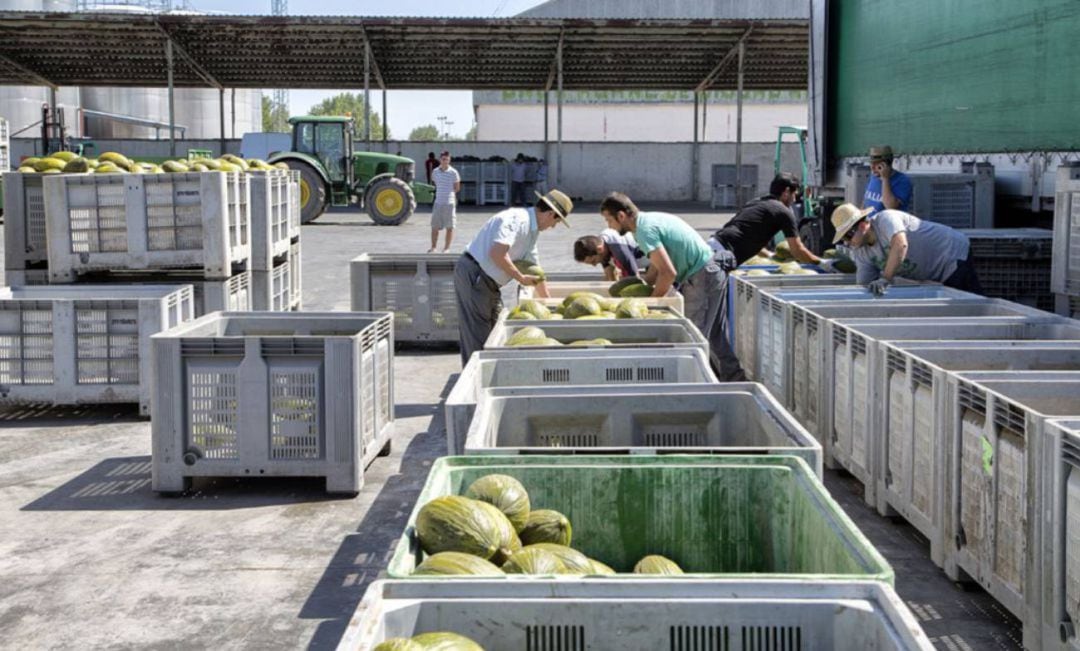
739 516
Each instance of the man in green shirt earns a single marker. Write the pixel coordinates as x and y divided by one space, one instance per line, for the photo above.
679 256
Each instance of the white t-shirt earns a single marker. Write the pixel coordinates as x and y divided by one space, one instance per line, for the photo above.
444 181
515 227
933 249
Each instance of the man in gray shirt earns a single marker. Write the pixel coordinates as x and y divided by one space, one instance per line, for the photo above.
893 243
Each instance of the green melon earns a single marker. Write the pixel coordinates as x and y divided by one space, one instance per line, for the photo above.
546 526
656 564
637 291
618 286
454 523
600 568
574 561
527 336
534 561
456 564
582 306
535 308
504 493
398 644
632 308
444 641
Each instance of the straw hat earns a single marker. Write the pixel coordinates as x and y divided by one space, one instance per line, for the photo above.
845 217
559 202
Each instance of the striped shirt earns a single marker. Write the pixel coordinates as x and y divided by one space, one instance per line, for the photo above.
444 181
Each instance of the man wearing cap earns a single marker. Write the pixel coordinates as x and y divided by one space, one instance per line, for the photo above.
447 183
678 254
893 243
488 264
888 189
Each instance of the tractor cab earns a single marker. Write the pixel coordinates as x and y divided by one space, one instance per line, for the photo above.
328 139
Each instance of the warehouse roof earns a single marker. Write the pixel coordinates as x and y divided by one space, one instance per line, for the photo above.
102 49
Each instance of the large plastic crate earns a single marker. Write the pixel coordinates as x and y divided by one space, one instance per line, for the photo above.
294 204
26 277
1059 542
277 290
761 517
110 222
295 276
910 387
521 367
997 437
729 418
84 344
655 304
272 228
417 288
273 395
627 333
1065 274
25 239
231 295
560 289
646 616
1066 305
1010 243
672 304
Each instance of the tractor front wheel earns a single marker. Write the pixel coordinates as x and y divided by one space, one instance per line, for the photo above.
312 191
390 201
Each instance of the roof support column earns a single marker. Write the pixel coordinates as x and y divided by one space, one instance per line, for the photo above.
695 159
558 118
172 104
367 96
221 117
233 101
385 124
54 123
547 96
738 128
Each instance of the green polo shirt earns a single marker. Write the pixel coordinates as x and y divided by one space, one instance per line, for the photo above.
686 248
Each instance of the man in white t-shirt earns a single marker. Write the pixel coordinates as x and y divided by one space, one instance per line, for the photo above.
447 183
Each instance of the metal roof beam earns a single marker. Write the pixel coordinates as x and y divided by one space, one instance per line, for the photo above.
724 62
190 60
371 59
555 62
30 74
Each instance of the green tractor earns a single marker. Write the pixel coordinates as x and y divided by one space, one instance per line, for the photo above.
331 173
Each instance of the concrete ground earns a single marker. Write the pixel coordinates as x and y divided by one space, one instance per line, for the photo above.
90 557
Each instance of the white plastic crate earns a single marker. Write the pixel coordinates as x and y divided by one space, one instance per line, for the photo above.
297 294
627 334
25 239
273 395
997 437
522 367
645 615
1065 270
653 304
910 386
294 204
111 222
560 289
1059 544
271 227
417 289
728 418
665 303
231 295
84 344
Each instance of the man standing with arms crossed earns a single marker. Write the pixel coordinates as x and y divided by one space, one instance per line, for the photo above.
447 183
678 254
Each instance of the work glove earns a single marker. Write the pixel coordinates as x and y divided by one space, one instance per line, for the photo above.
828 265
879 287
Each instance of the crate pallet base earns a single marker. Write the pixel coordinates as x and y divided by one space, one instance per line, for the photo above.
232 295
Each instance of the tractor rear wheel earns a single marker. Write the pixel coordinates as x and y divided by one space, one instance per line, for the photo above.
312 191
390 201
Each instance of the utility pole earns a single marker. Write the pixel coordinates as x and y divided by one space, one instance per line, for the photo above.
279 101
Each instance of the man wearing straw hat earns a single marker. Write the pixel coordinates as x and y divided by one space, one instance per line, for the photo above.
488 264
893 243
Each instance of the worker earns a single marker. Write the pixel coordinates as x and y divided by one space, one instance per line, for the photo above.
893 243
518 171
488 264
752 229
430 164
888 189
447 184
679 255
618 255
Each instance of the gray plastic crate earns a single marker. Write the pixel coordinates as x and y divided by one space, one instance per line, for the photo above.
1059 607
25 239
294 204
1065 274
295 278
1067 306
231 295
627 333
522 367
665 305
1010 243
607 614
729 418
26 277
84 344
110 222
276 290
909 385
271 226
673 301
418 289
273 395
996 435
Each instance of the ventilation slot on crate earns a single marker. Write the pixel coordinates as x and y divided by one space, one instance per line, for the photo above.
211 347
294 415
895 362
1010 416
1070 452
570 440
699 638
555 375
293 347
811 324
772 638
839 337
858 345
213 413
554 638
799 318
622 374
650 374
674 436
921 374
776 308
971 398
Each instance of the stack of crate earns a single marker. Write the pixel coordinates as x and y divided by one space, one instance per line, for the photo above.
1065 274
275 240
1014 263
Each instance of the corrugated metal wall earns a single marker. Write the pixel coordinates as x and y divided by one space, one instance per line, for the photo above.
927 76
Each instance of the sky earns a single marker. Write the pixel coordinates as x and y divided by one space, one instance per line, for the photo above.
407 109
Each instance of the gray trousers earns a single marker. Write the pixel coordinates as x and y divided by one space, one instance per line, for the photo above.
705 301
479 303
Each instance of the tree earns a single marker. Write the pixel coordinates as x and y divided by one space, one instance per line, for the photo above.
471 133
274 118
351 104
426 133
267 113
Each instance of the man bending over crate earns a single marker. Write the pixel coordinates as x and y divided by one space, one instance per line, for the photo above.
679 255
488 264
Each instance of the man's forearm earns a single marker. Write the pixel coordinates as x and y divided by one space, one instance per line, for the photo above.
892 265
507 265
888 199
663 284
